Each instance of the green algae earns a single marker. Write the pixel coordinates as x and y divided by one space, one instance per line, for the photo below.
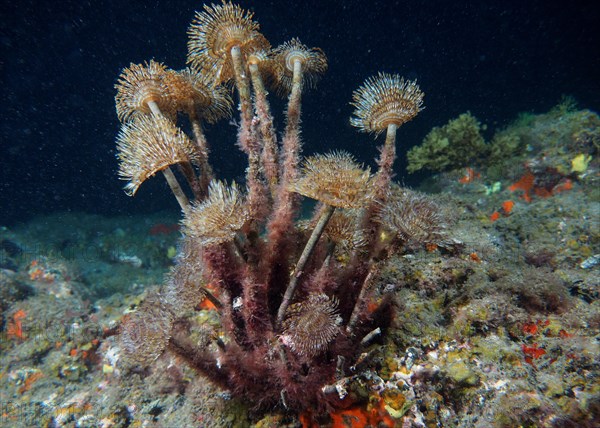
456 144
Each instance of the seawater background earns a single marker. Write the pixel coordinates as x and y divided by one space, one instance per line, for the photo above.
60 60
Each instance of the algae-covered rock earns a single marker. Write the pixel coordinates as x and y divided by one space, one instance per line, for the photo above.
568 138
504 146
461 374
454 145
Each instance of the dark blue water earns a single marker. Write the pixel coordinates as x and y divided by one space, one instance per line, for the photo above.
60 60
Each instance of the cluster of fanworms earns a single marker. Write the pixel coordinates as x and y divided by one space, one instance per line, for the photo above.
298 300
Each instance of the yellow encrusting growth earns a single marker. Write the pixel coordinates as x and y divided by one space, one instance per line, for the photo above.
580 163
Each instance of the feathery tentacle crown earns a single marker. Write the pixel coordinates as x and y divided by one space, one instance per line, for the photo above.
215 31
137 86
311 325
147 145
313 60
383 100
145 335
219 217
334 179
193 93
343 230
262 59
413 217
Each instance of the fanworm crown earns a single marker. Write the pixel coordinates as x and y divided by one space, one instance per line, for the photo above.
383 100
138 86
147 145
312 62
334 179
311 325
219 217
344 231
215 31
413 217
193 93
